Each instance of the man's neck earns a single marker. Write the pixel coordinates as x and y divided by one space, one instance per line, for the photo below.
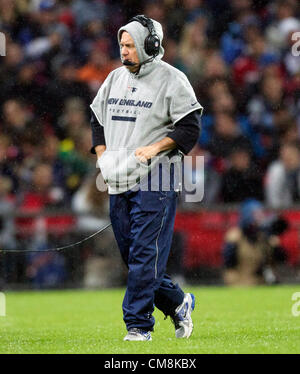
134 69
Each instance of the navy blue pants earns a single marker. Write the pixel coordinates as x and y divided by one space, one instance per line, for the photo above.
143 223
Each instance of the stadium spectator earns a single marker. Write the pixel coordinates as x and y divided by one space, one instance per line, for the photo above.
104 268
223 103
262 107
96 69
179 16
192 47
214 90
284 21
242 179
9 264
252 249
73 118
49 154
46 270
89 200
269 113
41 191
7 226
9 68
26 87
48 19
226 136
64 86
200 174
155 9
11 18
19 123
282 186
285 131
248 68
84 11
7 166
92 34
171 55
75 165
214 66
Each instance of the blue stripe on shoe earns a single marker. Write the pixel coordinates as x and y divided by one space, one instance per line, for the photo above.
193 301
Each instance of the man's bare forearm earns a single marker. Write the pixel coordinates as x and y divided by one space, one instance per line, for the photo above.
165 144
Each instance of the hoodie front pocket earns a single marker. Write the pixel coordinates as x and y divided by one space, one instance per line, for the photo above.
121 167
140 163
102 163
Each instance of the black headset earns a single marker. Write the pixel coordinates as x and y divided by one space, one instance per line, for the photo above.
152 41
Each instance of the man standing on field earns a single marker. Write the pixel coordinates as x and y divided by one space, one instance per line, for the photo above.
144 112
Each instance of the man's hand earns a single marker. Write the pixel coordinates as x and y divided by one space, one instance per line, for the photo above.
99 149
146 153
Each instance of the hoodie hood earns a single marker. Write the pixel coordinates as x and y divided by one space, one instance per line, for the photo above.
139 33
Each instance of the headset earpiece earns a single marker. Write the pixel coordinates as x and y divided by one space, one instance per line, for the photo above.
152 44
152 41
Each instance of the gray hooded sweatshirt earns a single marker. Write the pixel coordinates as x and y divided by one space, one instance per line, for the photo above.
139 109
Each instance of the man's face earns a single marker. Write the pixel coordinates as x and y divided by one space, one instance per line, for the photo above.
128 51
290 157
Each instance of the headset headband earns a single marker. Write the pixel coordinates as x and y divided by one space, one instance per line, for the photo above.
145 21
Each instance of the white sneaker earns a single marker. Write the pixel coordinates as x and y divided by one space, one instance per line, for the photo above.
135 334
182 317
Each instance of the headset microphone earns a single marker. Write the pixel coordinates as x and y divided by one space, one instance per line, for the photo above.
129 63
146 61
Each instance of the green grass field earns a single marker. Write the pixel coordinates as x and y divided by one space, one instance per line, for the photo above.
240 320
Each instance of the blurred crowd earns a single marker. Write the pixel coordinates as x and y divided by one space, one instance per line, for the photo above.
237 54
